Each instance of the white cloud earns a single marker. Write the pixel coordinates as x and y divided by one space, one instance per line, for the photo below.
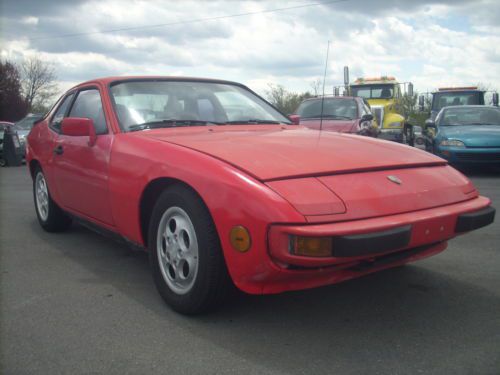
431 45
30 20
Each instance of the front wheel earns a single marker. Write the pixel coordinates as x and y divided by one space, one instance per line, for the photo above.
186 257
50 216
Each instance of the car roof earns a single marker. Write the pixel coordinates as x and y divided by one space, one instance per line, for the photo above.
113 79
332 97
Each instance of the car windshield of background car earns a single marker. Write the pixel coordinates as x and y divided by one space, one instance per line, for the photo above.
374 91
470 116
343 109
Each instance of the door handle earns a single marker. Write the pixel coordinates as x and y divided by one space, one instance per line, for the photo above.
59 150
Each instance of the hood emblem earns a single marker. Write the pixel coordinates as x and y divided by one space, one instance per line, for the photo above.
394 179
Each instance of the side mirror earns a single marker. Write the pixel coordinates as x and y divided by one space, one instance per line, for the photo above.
295 119
367 117
430 124
79 127
495 99
410 90
421 102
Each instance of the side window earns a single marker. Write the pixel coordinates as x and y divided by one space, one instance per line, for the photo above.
55 123
88 104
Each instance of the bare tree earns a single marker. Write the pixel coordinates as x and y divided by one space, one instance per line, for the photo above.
38 81
317 87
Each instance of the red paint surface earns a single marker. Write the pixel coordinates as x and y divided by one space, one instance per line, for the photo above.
271 179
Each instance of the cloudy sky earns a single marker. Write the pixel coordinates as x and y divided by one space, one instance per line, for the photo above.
429 42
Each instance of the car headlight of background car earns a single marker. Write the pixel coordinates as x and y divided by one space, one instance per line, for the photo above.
452 143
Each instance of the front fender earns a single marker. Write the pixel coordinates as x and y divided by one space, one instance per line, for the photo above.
232 197
390 118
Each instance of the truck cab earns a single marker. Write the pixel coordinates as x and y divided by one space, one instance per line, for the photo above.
448 96
382 94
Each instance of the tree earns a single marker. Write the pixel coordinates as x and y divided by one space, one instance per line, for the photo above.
286 101
317 87
13 107
38 82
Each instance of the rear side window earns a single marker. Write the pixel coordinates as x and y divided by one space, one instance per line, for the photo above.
61 112
88 104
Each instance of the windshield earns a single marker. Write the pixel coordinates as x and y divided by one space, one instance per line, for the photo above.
341 109
470 116
373 91
445 99
147 104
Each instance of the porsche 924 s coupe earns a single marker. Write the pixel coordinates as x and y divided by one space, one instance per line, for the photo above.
223 190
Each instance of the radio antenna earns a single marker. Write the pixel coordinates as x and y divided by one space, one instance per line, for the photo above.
323 96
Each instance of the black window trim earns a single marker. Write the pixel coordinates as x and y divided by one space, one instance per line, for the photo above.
58 105
87 88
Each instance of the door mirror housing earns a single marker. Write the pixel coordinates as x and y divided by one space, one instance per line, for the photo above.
495 99
79 127
421 102
295 119
410 90
367 117
430 124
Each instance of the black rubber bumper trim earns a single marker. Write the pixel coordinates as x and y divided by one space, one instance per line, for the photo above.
371 243
475 220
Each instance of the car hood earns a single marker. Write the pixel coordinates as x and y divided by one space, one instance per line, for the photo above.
342 126
473 135
278 152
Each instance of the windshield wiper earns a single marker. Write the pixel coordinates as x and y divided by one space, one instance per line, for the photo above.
170 123
254 121
330 116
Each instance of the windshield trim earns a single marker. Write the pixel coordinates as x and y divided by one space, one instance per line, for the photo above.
183 79
371 85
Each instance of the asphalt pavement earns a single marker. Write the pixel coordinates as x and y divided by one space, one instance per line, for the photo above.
79 303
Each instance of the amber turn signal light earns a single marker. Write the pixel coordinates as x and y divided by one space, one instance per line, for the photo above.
240 238
311 246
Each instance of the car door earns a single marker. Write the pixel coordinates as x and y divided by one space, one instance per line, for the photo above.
80 169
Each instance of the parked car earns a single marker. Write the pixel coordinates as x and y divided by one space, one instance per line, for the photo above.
23 127
3 125
467 134
343 114
222 189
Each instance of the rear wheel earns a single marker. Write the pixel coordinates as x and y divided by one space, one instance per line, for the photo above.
50 216
186 257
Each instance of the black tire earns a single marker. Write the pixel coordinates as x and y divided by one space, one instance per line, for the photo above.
55 220
211 284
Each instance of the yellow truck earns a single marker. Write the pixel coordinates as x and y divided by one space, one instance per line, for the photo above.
382 94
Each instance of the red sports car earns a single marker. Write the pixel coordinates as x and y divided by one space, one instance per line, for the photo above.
343 114
222 189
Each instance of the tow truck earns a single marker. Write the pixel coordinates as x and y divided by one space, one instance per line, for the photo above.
382 94
447 96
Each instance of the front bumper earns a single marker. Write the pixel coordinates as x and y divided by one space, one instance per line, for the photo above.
463 155
369 245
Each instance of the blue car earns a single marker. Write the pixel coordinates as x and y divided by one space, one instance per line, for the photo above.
467 134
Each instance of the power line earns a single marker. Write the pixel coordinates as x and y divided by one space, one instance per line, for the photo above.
185 22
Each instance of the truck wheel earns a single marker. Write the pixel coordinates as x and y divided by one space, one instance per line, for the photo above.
50 216
186 258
